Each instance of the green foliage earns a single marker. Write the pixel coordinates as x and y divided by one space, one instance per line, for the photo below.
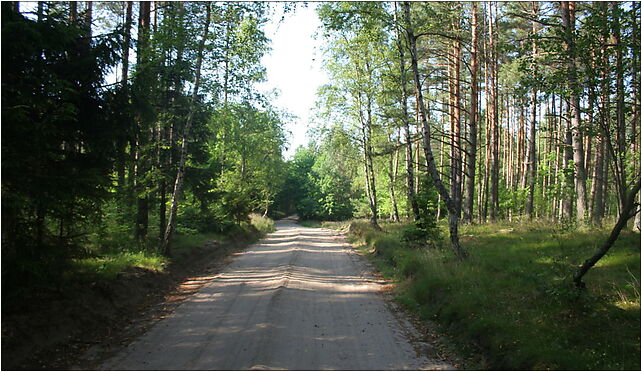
316 187
89 167
425 231
263 224
57 147
514 296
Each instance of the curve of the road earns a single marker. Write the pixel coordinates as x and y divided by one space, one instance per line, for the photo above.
300 299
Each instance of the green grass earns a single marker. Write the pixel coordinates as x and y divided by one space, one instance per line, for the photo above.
263 224
184 244
109 265
310 223
514 297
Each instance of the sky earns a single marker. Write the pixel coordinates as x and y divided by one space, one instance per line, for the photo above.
294 68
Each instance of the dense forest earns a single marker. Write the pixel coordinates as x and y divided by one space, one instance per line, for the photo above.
478 112
125 123
127 126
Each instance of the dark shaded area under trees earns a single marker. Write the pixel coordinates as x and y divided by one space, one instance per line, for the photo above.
89 167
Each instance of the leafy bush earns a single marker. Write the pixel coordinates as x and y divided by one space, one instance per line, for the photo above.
262 224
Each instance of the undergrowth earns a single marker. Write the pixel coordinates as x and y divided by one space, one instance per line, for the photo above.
514 298
109 264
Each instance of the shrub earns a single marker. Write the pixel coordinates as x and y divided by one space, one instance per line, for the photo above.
262 224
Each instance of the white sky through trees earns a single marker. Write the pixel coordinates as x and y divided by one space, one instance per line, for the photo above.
294 67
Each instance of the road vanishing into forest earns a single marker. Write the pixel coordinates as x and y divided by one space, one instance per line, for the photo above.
300 299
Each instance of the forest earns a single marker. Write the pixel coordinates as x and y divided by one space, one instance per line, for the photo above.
448 131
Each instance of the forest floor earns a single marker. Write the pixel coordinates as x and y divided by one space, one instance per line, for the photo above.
90 318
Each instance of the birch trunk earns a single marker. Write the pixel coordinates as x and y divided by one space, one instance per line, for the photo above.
178 184
410 182
453 209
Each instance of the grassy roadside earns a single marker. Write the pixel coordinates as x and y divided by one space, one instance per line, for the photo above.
513 299
109 265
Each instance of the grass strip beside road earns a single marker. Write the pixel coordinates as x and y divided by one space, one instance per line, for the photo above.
512 304
109 264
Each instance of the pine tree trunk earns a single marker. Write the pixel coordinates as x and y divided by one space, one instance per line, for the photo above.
569 178
493 117
635 135
142 131
455 144
532 162
178 184
471 157
597 186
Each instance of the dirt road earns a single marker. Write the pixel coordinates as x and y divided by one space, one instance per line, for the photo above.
299 299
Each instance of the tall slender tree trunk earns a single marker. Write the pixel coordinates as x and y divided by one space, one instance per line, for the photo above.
635 135
178 184
142 132
366 136
392 175
493 118
455 124
453 209
127 43
524 148
597 205
40 11
89 16
412 199
440 165
73 11
568 19
417 162
373 202
483 205
569 177
532 161
621 147
122 142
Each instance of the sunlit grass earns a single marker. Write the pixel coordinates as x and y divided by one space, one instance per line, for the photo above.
310 223
263 224
114 261
110 265
184 244
514 296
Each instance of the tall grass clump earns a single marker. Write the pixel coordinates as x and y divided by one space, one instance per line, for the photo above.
263 224
513 300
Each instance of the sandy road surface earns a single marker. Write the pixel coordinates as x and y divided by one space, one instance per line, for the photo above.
299 299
